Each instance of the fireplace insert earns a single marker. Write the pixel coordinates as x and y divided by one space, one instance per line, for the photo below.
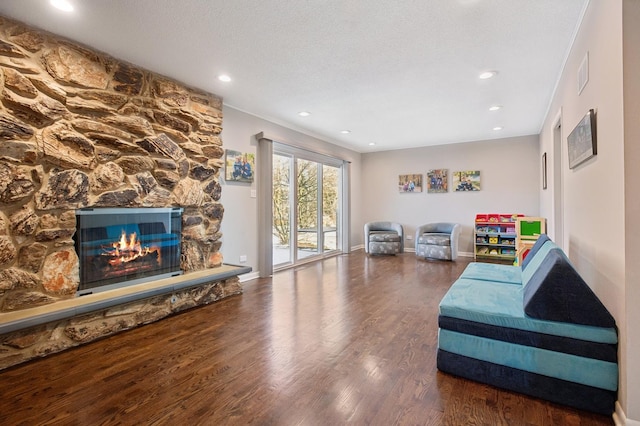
124 246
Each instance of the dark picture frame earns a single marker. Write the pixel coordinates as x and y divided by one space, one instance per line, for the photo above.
544 171
582 141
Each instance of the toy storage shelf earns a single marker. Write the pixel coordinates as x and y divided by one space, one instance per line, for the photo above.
495 236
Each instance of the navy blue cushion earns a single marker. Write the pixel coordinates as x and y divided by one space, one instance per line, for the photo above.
556 292
543 238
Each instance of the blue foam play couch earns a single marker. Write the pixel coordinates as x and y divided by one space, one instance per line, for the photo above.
537 329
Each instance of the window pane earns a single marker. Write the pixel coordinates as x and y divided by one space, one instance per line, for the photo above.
281 209
307 202
330 180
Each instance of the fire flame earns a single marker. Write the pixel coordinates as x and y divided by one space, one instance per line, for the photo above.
127 249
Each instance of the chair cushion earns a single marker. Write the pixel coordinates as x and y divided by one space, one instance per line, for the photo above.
434 252
383 237
384 248
435 239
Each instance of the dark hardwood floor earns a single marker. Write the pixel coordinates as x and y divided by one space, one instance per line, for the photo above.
351 339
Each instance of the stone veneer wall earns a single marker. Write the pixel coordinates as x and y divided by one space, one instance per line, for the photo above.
81 129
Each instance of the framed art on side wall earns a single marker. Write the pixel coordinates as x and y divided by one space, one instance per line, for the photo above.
467 180
410 183
582 141
544 171
239 166
437 181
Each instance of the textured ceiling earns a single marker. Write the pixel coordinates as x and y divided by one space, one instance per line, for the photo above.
401 74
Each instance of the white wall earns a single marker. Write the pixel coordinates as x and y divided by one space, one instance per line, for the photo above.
594 192
631 79
240 222
510 183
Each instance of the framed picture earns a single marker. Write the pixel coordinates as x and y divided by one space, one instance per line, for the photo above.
544 171
468 180
410 183
437 181
239 166
581 142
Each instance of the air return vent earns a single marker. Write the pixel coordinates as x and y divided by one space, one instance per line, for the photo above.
583 73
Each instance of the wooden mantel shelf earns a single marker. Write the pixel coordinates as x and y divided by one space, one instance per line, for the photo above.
25 318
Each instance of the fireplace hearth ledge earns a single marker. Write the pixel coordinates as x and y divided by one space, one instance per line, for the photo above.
18 320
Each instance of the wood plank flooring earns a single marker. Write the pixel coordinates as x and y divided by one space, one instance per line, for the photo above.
347 340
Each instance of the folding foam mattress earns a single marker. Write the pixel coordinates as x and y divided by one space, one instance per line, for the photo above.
487 335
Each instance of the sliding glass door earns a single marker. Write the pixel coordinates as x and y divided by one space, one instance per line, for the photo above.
282 208
307 200
330 207
306 206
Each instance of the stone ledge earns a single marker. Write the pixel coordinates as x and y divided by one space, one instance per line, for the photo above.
18 320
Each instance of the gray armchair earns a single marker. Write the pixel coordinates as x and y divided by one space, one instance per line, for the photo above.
383 238
438 241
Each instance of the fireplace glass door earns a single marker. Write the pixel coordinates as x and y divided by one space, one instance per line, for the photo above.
124 246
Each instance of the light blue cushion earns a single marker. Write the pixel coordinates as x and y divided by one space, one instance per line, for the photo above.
501 305
536 260
543 238
493 272
573 368
507 273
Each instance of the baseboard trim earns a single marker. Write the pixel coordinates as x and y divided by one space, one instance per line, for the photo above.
620 418
413 250
249 277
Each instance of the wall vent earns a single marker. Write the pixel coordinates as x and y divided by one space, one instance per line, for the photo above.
583 73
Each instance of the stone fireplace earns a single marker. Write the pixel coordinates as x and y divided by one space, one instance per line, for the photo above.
81 130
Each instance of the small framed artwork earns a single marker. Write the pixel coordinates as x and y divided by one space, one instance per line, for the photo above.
437 181
582 141
410 183
239 166
544 171
468 180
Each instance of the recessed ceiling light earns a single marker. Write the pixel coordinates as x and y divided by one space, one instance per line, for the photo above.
497 128
63 5
487 74
224 77
304 113
495 107
372 143
345 132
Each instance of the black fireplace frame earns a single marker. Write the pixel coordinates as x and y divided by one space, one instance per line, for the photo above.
96 227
